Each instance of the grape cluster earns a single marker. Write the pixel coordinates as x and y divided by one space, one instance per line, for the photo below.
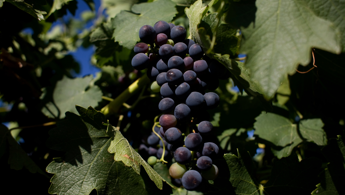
184 74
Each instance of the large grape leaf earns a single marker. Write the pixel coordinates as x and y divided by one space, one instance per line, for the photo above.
27 8
127 24
282 37
114 7
125 153
70 92
289 176
240 178
282 133
18 158
87 164
332 11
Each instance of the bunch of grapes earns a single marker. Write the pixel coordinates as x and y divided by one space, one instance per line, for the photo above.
184 74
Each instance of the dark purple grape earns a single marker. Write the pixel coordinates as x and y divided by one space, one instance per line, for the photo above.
178 34
211 99
182 155
190 77
152 140
167 121
142 147
162 66
205 127
141 48
160 152
174 76
167 91
140 61
196 52
173 135
210 149
188 42
191 180
204 163
161 39
161 144
171 25
200 67
162 27
193 141
152 151
152 73
147 34
182 91
195 100
166 51
161 78
181 49
176 62
188 63
166 105
182 112
161 131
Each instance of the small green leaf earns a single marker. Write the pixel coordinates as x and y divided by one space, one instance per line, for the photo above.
182 191
125 153
282 133
240 177
71 92
57 4
27 8
18 158
281 38
127 24
114 7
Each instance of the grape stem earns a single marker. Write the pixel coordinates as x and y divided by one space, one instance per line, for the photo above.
153 130
114 106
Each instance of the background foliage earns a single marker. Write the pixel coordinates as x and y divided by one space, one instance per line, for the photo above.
280 123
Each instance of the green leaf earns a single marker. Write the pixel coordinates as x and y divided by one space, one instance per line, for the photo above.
332 11
240 178
225 137
125 153
327 186
127 24
284 91
57 4
71 92
282 133
27 8
114 7
18 158
182 191
87 164
163 171
292 177
195 14
281 38
184 2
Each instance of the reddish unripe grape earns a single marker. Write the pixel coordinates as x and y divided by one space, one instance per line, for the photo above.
161 39
141 48
167 121
188 63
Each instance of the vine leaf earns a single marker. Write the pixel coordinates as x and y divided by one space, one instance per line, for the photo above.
240 177
195 13
17 156
284 134
327 186
332 11
68 93
27 8
87 164
281 38
182 191
57 4
125 153
292 177
114 7
127 24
